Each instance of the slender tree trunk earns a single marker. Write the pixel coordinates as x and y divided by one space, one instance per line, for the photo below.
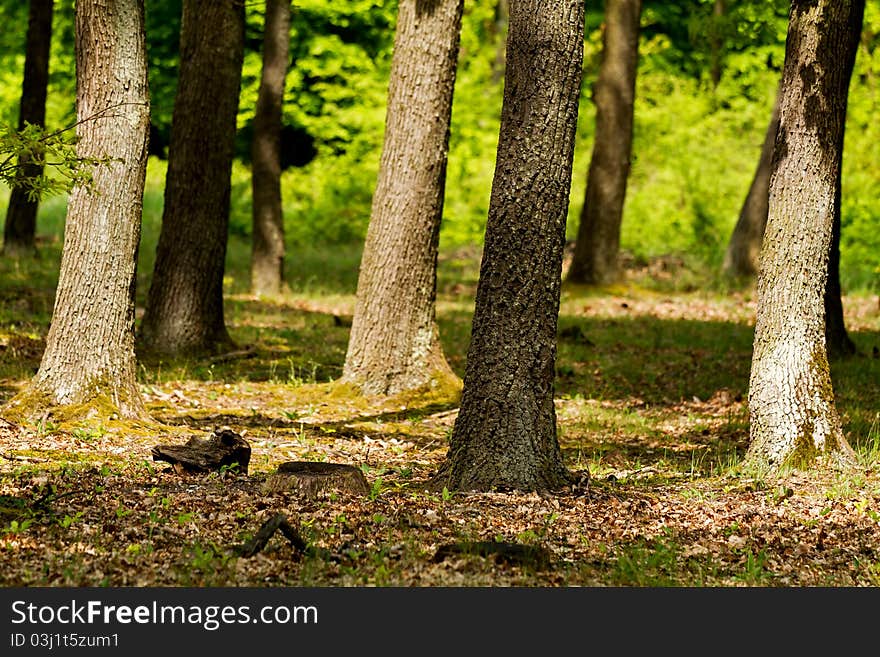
89 360
505 434
716 42
394 343
184 310
502 18
837 339
21 214
791 402
744 248
595 259
267 255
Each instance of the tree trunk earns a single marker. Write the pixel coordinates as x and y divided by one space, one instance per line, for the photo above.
89 360
184 310
837 340
716 42
505 434
744 248
794 421
267 255
21 214
394 343
595 259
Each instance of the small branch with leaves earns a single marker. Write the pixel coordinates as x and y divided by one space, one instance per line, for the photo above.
28 152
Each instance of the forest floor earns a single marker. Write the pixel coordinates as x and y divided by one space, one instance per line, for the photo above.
651 404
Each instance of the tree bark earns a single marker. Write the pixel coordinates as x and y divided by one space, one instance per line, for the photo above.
184 310
794 421
504 437
744 248
21 214
394 343
89 360
267 255
595 259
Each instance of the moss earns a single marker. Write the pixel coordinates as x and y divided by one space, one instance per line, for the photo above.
33 406
60 458
805 451
444 387
332 393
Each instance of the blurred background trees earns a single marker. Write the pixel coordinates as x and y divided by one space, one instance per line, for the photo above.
706 85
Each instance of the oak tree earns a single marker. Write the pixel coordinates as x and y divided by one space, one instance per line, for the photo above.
89 362
744 247
267 252
19 231
793 418
394 344
505 433
597 249
184 309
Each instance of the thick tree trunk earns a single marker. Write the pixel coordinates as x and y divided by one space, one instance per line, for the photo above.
505 434
394 343
184 310
744 248
794 421
89 360
21 214
595 259
267 254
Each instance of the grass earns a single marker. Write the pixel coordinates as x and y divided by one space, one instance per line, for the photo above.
651 403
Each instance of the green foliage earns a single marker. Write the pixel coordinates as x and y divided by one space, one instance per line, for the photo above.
55 152
696 145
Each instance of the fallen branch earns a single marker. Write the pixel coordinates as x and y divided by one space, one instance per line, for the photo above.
248 352
24 459
261 538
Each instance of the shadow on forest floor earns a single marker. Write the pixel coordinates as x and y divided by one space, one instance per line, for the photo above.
651 403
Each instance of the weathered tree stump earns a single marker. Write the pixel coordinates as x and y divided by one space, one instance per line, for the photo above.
516 554
223 448
311 478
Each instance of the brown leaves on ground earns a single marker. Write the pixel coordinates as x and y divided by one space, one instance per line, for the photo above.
113 516
665 503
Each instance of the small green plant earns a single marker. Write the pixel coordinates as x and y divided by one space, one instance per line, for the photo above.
207 558
755 570
17 527
89 434
376 489
68 520
230 468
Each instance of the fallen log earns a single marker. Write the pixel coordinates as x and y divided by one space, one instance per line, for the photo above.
222 449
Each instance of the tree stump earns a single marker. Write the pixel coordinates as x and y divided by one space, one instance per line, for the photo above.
223 448
311 478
